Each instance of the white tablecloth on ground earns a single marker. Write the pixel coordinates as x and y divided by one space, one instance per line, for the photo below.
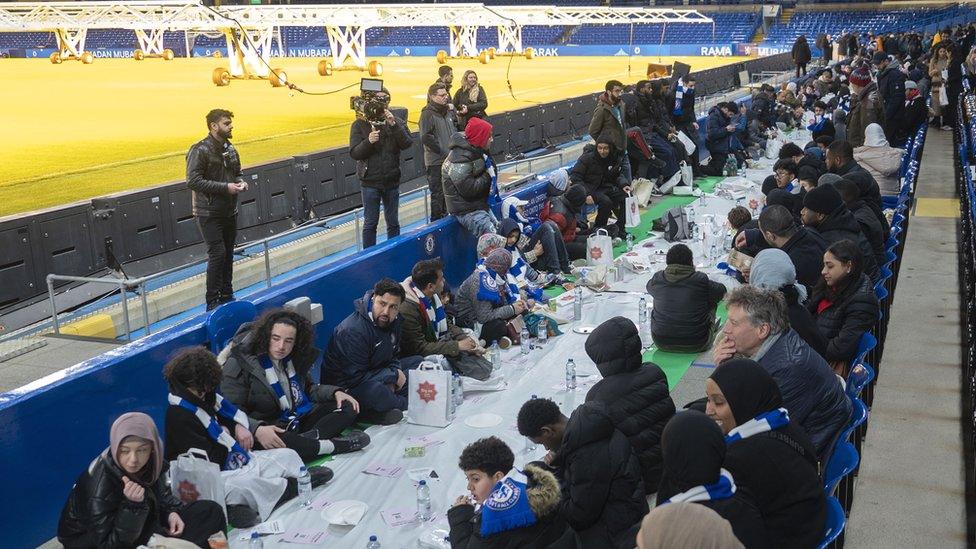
540 373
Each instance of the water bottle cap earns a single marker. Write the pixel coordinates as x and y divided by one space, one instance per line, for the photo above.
423 483
533 396
255 535
304 469
372 538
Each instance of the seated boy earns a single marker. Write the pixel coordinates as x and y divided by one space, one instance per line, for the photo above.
506 508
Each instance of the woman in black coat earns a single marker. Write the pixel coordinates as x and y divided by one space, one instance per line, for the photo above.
843 303
768 455
694 451
635 393
801 55
470 100
123 497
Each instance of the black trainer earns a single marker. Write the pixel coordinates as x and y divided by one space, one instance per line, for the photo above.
390 417
242 516
320 475
350 442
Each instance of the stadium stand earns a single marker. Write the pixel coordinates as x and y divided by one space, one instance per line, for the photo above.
811 23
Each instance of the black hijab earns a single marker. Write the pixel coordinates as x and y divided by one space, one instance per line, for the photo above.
692 450
748 388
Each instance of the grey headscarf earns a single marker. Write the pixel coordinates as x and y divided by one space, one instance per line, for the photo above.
828 179
772 269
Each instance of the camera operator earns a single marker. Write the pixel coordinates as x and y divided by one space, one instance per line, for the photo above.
213 173
437 125
376 146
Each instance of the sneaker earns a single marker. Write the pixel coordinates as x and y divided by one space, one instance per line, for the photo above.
390 417
616 241
655 191
350 442
320 475
946 128
504 342
242 516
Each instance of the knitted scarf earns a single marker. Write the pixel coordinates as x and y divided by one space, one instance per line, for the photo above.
437 321
507 507
237 456
493 287
770 421
517 272
679 93
301 405
723 488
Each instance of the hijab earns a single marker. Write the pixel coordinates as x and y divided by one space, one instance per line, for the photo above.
748 388
138 424
874 136
773 269
688 526
692 451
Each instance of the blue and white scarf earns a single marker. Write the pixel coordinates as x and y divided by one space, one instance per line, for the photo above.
438 320
507 507
493 287
301 405
679 93
517 273
723 488
763 423
819 121
494 197
793 187
237 456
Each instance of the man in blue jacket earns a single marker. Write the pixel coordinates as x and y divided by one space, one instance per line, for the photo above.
719 131
363 355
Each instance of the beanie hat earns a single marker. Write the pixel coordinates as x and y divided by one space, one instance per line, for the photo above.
911 85
861 77
828 179
824 199
500 261
576 196
488 242
878 58
478 132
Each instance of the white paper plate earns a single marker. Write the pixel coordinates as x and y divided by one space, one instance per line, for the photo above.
483 421
583 329
347 512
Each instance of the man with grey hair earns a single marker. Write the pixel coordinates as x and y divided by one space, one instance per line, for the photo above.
758 327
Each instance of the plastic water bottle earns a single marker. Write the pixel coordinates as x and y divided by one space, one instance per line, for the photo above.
630 242
642 310
578 303
570 375
526 346
304 487
727 243
543 332
373 543
423 501
459 392
256 541
496 356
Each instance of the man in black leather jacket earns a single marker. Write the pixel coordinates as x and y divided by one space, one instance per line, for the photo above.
213 173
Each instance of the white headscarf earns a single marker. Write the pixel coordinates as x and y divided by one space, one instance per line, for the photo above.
772 269
874 136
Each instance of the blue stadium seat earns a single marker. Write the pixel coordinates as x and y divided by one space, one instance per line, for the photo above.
842 461
866 345
861 374
224 321
835 522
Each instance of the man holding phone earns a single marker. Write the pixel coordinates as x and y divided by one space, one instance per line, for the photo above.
213 173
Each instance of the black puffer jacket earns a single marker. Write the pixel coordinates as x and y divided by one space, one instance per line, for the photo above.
802 321
378 164
801 51
97 513
853 312
805 248
597 173
841 225
549 532
467 183
245 384
891 85
210 166
684 305
600 478
870 228
635 393
870 191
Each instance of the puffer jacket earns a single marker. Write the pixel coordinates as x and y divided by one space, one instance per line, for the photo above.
245 384
378 164
891 86
602 489
437 125
717 135
609 121
870 191
596 173
210 166
466 180
847 318
97 513
801 51
805 248
359 350
562 213
634 392
866 108
841 225
870 228
884 164
811 392
470 309
684 306
549 532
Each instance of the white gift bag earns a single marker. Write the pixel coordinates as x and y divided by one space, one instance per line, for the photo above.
687 174
429 401
633 212
642 190
260 483
193 477
688 142
599 248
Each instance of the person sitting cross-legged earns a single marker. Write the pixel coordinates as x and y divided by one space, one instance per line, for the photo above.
684 304
266 375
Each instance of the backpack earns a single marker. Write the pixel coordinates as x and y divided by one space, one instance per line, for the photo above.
675 224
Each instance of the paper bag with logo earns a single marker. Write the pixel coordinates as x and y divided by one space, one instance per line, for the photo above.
599 248
633 212
429 401
193 477
642 190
